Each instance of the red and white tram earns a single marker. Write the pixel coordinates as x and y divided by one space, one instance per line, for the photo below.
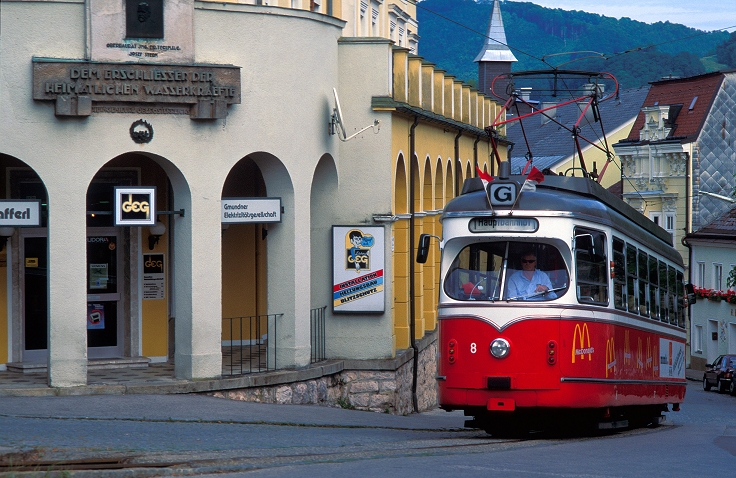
604 339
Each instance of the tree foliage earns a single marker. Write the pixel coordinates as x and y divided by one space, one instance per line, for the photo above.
533 32
726 51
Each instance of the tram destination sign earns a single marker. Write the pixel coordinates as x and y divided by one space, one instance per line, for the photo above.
503 224
83 87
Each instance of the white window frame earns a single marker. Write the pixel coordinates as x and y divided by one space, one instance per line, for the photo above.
697 345
670 222
701 274
656 218
718 276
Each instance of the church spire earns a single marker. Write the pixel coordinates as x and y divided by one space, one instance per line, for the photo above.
495 58
494 48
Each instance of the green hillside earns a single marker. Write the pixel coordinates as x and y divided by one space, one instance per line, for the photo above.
533 32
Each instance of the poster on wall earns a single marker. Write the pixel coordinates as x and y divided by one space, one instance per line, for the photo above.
98 276
357 269
95 316
153 277
671 359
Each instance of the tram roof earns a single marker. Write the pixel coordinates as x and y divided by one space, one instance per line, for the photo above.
582 197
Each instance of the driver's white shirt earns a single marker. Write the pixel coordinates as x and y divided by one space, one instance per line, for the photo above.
519 286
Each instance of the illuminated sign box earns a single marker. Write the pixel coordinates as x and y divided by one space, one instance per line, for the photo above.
20 213
135 206
358 266
250 210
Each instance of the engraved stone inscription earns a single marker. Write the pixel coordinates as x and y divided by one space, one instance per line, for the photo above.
78 87
109 82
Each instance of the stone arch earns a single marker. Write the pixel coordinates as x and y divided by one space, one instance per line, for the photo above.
323 204
149 328
401 188
449 181
279 294
24 316
402 251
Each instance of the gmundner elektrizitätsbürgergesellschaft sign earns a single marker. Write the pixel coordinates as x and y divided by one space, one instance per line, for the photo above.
250 210
20 213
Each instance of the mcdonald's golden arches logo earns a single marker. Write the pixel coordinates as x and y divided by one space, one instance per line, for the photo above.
610 357
585 347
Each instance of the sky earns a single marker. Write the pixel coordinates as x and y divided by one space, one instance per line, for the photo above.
701 14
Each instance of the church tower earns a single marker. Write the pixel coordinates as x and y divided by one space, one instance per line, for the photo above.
495 58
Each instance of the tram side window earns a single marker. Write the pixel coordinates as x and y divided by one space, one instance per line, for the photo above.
591 266
619 274
678 302
653 286
672 299
643 284
663 311
631 286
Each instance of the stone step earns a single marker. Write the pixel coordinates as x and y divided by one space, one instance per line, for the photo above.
92 364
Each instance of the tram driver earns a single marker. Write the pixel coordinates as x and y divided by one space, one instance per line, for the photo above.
530 283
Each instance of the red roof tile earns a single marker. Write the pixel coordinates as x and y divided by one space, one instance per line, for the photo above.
682 92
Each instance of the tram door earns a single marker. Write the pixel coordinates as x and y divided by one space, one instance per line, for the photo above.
104 291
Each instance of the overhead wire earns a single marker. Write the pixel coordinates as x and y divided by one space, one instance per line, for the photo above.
602 56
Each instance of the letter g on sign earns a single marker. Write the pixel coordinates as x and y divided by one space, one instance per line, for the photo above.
502 194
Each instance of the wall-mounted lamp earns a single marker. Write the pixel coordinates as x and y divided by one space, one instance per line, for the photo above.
5 233
155 234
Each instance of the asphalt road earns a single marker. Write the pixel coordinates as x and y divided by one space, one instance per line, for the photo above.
152 435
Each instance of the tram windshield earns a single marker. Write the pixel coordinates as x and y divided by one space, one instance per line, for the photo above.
507 270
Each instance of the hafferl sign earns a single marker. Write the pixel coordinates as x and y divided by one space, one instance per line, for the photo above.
20 213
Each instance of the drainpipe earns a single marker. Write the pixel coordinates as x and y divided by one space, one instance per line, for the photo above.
475 154
458 164
412 267
688 229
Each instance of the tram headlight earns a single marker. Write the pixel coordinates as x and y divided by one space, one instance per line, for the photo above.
500 348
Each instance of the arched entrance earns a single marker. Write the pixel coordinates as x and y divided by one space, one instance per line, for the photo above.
126 320
128 293
246 324
24 307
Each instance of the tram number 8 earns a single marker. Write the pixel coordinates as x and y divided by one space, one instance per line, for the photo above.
473 348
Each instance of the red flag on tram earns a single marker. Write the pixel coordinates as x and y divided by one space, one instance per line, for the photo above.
535 177
485 177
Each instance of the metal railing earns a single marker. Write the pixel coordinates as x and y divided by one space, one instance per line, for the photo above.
248 344
317 333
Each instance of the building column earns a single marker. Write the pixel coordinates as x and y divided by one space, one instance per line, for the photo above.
289 279
197 287
67 291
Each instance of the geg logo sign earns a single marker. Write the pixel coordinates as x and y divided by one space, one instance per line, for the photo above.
502 193
135 206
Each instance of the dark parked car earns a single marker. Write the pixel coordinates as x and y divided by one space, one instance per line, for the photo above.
722 374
